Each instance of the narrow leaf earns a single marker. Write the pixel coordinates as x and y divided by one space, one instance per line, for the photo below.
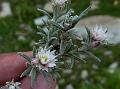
26 72
77 57
57 75
27 58
84 12
93 56
41 34
33 75
44 12
72 63
57 25
34 51
80 16
89 38
52 38
46 76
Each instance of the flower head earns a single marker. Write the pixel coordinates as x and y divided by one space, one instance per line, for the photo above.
99 35
45 59
60 2
13 85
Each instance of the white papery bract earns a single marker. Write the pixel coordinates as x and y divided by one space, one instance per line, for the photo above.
60 2
13 85
45 59
99 35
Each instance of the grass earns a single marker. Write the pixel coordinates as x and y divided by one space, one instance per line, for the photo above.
24 11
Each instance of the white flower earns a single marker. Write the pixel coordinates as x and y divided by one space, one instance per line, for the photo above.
13 85
45 59
60 2
99 35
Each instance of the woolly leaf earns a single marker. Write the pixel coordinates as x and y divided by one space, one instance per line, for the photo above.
84 12
69 46
46 76
33 75
53 38
92 56
79 17
56 25
77 57
89 37
72 63
27 58
44 12
26 72
57 75
34 51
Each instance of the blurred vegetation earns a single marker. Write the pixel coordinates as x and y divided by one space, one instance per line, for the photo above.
24 12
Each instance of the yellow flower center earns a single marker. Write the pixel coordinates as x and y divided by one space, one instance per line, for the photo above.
44 58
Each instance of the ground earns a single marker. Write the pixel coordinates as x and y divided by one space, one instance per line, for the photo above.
24 11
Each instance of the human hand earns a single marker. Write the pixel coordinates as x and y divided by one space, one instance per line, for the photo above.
11 67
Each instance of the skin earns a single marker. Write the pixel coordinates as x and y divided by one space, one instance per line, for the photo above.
41 83
11 67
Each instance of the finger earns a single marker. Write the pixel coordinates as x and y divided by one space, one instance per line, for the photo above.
41 83
11 67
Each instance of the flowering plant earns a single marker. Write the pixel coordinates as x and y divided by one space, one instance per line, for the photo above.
58 43
11 85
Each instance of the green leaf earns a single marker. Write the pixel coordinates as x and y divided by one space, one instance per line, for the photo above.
45 23
41 34
69 46
92 55
68 5
69 64
57 25
57 75
34 51
89 38
84 12
33 75
44 12
46 76
61 47
55 12
72 63
80 16
66 46
52 38
78 58
26 72
59 62
27 58
54 32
